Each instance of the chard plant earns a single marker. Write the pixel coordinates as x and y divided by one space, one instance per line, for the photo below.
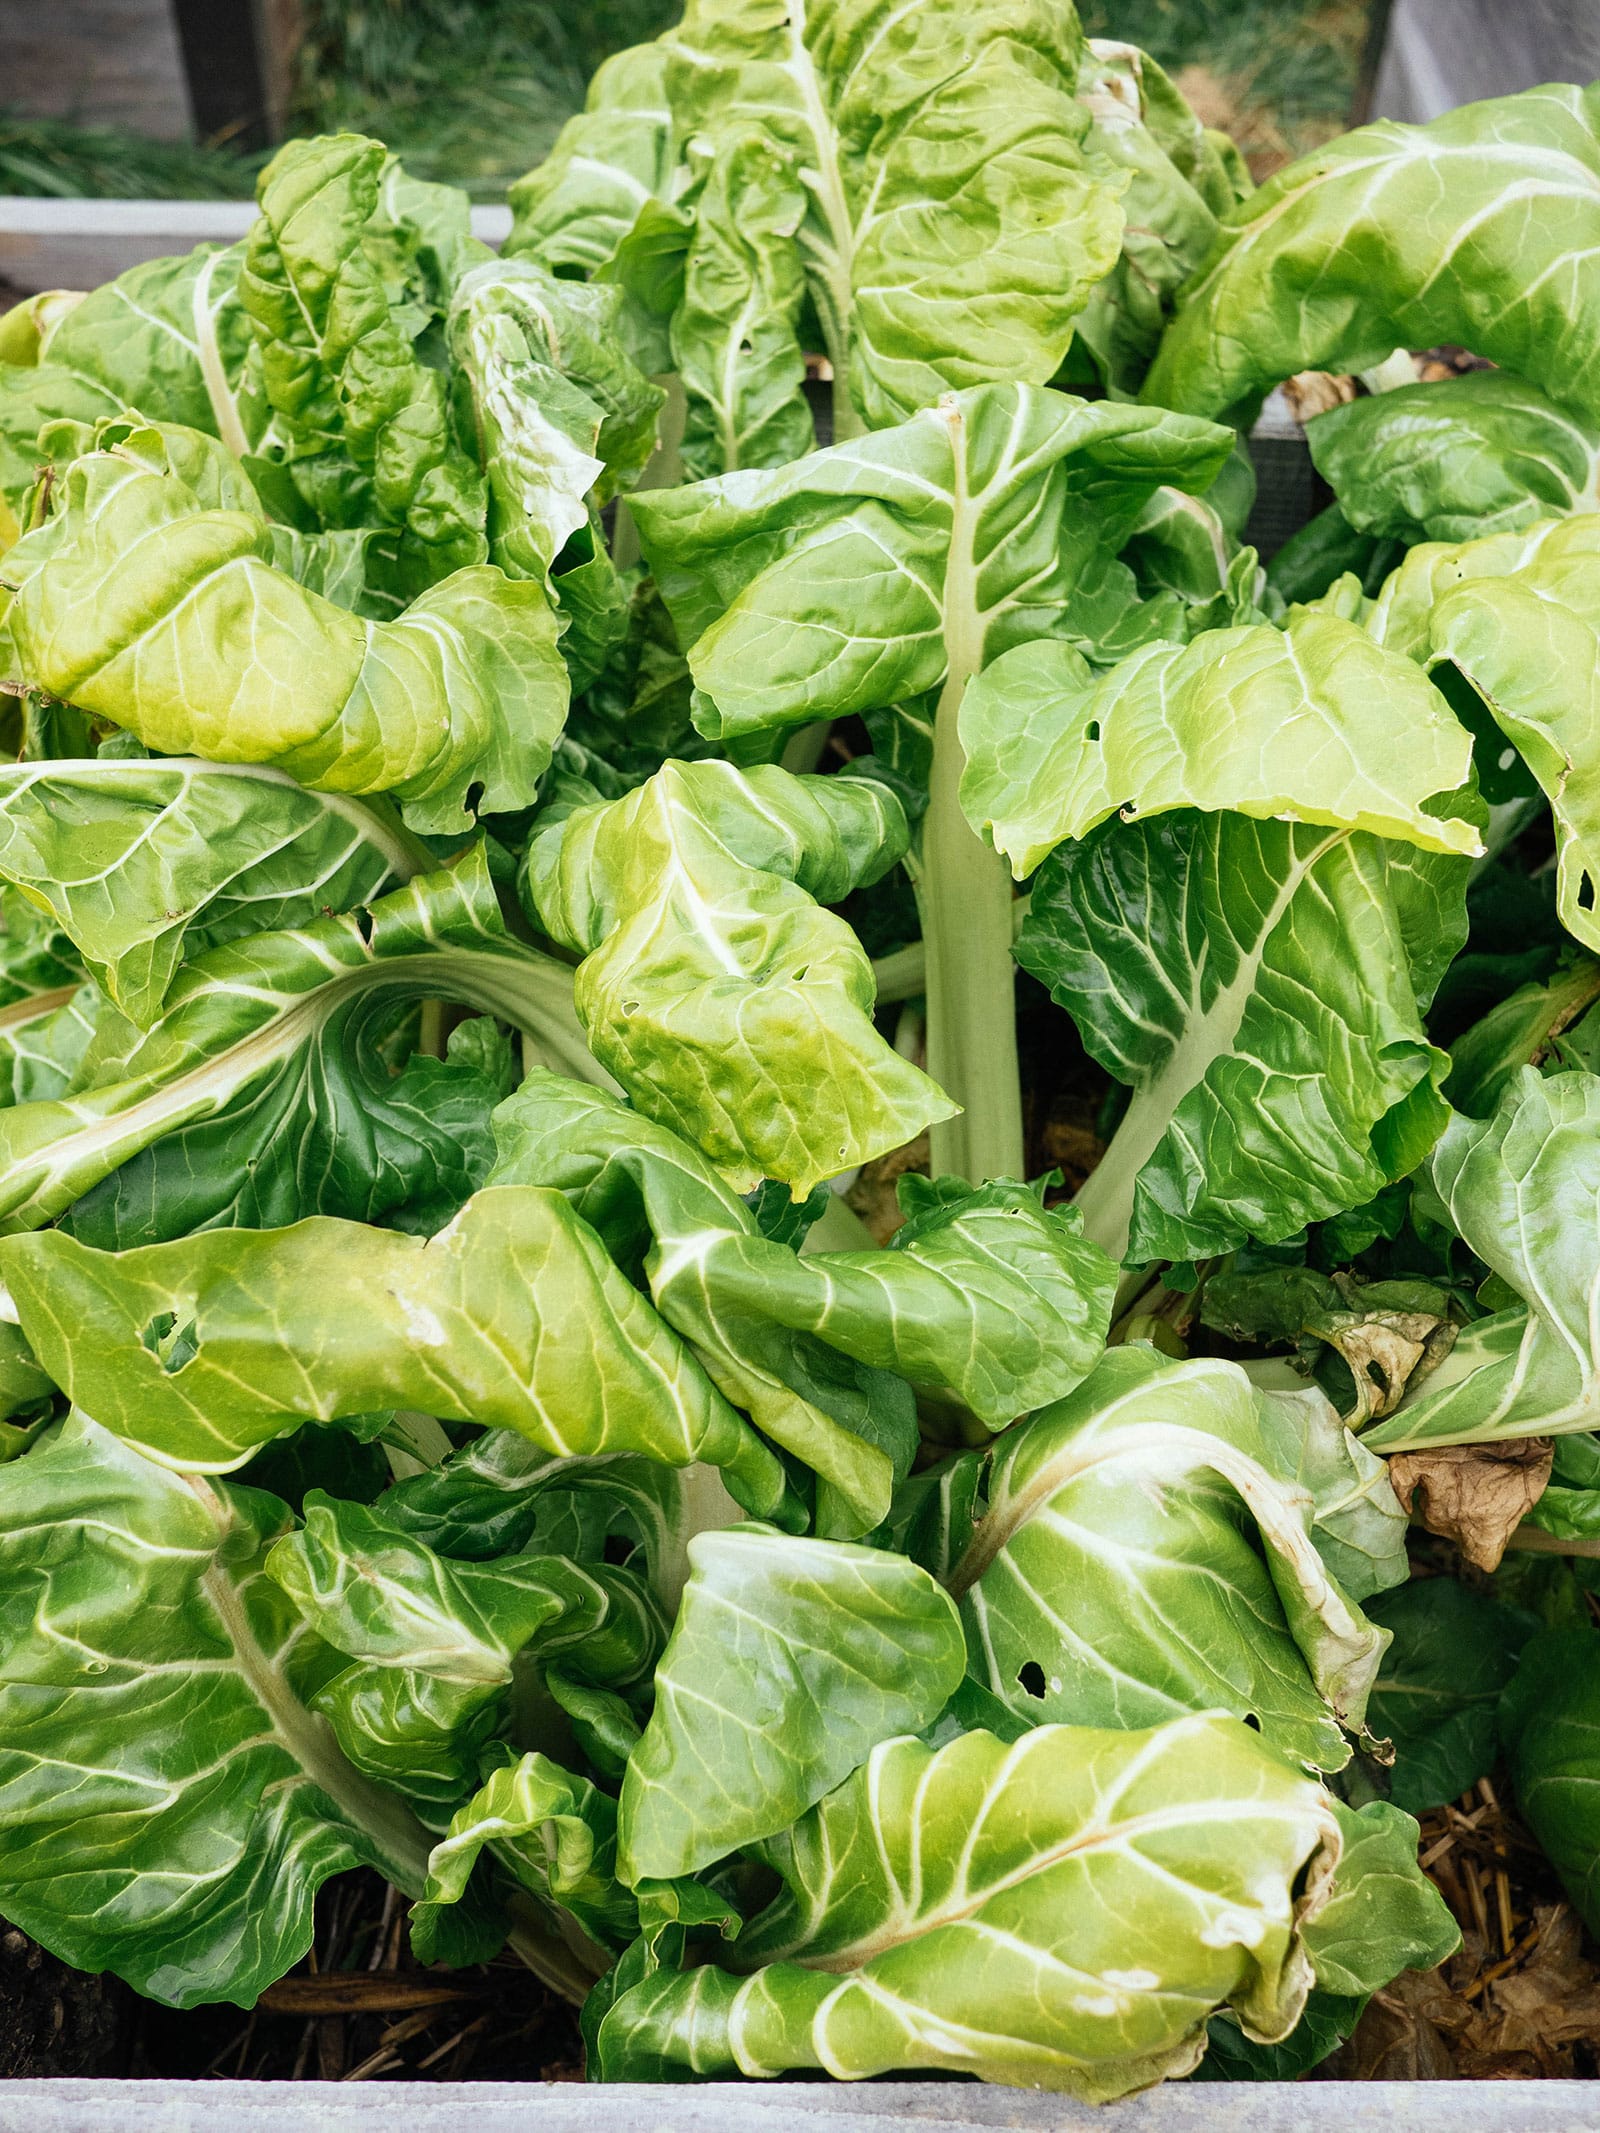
453 1423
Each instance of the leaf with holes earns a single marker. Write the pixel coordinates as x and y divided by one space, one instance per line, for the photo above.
1148 1548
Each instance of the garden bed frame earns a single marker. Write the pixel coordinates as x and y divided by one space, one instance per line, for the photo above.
791 2107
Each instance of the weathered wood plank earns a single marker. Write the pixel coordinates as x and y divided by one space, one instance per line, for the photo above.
106 62
77 244
788 2107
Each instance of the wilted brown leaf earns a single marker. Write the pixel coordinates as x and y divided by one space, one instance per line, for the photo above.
1313 392
1474 1494
1384 1350
875 1194
1399 2037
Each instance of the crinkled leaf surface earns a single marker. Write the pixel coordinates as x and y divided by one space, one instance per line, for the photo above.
735 334
513 1316
265 1091
724 1000
952 229
790 1660
1144 1552
169 1803
144 864
1257 985
131 600
1522 1189
561 410
1474 230
1061 1913
988 1298
1457 459
1312 723
362 422
860 576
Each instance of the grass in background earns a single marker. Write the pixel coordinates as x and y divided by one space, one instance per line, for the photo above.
473 92
54 159
465 91
1279 75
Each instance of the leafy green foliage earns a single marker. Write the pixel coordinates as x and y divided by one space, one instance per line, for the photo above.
441 1060
1548 1719
1437 1694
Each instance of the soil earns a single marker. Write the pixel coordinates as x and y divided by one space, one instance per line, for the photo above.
361 2008
56 2021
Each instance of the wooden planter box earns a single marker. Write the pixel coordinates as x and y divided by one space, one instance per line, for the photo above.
790 2107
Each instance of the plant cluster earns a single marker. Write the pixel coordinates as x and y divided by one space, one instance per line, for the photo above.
454 1423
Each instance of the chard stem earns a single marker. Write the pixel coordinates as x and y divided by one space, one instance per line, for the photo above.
847 422
964 890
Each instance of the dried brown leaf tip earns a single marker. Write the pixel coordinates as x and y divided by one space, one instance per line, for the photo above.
1474 1494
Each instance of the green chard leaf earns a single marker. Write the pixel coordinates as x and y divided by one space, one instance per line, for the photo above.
170 1803
1178 179
435 1642
861 576
130 599
1313 723
1457 459
1383 1915
1515 617
790 1660
735 334
1439 1687
512 1317
501 1493
355 406
1550 1724
988 1299
1471 230
1149 1548
1520 1189
953 228
266 1092
723 999
563 415
574 210
877 578
169 338
144 864
1061 1913
553 1834
1259 985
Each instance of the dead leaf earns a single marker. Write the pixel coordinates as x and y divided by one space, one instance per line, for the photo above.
1398 2037
1313 392
1474 1494
1383 1350
1555 1997
875 1194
